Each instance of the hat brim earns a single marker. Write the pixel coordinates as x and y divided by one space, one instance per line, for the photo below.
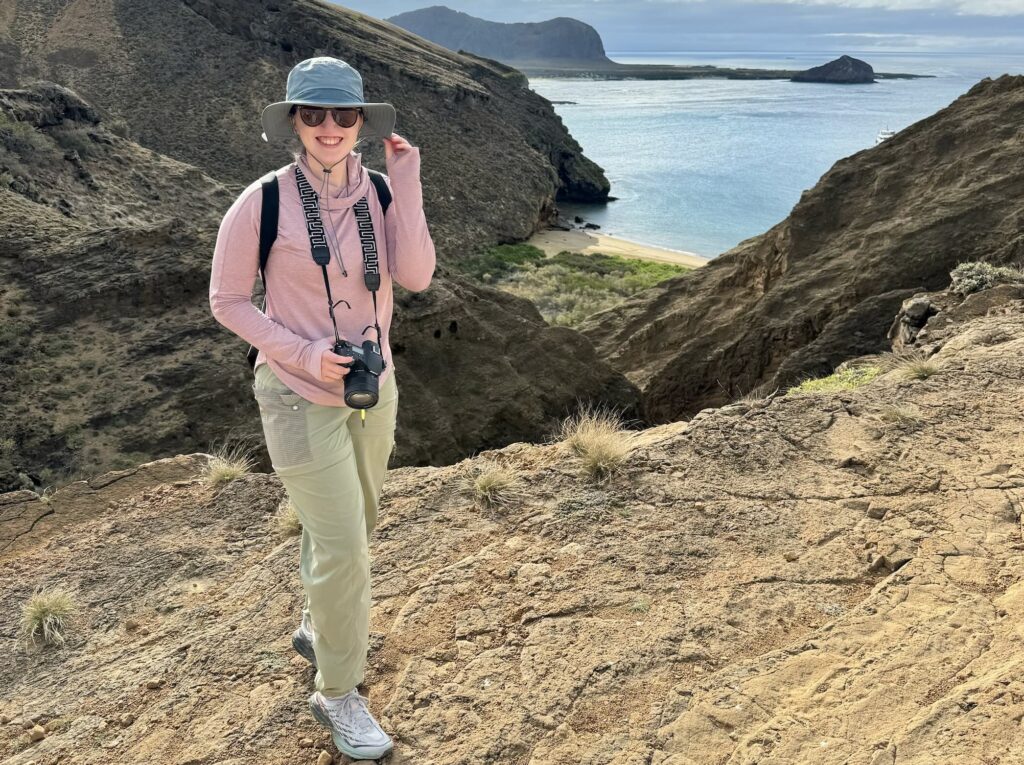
378 119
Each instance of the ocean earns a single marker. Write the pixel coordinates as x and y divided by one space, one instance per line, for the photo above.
700 165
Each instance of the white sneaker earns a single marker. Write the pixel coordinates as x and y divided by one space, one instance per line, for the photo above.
353 728
302 640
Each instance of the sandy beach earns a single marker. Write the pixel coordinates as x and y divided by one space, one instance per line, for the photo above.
553 240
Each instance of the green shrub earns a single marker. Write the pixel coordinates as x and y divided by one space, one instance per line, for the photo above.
844 379
570 286
500 261
975 276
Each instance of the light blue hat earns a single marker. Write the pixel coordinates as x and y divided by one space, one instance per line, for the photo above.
325 81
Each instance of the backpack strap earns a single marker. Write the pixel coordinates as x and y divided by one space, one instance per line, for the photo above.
268 221
383 192
268 234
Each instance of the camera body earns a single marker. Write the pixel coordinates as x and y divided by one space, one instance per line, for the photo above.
362 380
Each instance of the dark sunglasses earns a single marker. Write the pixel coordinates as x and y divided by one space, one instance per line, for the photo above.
313 115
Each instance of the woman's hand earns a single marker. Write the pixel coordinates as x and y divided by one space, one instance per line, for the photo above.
395 145
330 365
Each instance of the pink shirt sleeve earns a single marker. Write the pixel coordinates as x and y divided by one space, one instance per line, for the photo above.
236 260
411 256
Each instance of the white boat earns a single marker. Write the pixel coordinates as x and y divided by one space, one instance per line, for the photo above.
883 134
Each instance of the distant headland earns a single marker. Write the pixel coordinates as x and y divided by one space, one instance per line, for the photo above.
567 47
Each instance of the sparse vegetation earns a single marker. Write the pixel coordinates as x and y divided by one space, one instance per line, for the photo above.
21 137
901 415
226 464
641 605
493 485
599 439
46 617
848 378
288 522
569 286
757 394
911 364
974 276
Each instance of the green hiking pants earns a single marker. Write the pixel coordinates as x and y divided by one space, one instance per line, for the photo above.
332 465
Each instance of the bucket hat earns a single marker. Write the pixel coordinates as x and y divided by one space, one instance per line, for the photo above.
325 81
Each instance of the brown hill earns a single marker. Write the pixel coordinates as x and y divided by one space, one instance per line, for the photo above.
820 286
823 579
108 353
104 261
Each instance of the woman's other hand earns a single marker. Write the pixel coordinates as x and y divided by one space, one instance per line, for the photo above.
330 365
395 145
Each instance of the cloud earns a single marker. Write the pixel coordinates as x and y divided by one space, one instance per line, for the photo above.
789 25
956 7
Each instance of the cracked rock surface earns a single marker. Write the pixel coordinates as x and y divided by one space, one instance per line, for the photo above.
798 579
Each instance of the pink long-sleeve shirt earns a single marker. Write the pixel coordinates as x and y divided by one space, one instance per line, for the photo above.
296 328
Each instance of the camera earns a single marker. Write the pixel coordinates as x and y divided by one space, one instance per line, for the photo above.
361 382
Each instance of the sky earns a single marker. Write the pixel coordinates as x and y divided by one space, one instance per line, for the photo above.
975 26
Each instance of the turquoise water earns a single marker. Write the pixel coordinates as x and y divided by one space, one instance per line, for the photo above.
700 165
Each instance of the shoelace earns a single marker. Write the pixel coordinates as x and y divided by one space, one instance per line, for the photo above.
341 712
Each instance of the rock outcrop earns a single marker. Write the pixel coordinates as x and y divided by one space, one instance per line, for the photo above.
823 285
844 70
560 39
109 355
833 578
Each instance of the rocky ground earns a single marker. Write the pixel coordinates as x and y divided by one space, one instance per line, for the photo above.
790 579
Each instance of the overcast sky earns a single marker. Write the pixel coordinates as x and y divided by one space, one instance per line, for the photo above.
764 25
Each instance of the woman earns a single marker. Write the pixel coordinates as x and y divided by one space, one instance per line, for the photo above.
331 458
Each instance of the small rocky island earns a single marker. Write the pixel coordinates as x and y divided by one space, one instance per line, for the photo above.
844 70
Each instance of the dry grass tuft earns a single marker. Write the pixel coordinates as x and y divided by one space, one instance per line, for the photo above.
757 394
599 438
494 485
287 519
226 464
911 364
47 617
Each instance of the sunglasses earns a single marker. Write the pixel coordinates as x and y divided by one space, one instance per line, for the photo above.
313 115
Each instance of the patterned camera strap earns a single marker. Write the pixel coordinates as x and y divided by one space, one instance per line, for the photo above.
322 255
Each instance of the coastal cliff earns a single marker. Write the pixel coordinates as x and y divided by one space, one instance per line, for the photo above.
819 286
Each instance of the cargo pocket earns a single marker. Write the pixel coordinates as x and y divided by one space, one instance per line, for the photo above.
284 426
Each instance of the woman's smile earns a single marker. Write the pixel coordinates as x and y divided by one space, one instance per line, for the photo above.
329 140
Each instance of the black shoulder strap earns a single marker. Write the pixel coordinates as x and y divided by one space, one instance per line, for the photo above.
268 221
383 192
268 233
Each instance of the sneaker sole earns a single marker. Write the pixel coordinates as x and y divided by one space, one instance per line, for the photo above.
365 753
304 649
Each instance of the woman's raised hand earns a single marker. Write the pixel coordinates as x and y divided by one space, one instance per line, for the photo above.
394 145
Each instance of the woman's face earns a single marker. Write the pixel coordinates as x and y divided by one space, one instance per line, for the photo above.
327 141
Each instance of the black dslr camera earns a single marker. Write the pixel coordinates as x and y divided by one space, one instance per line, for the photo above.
361 382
